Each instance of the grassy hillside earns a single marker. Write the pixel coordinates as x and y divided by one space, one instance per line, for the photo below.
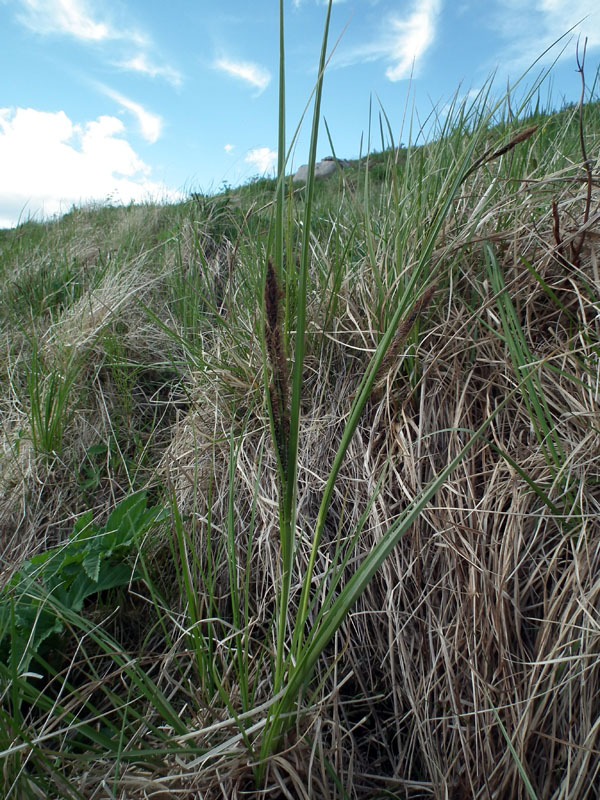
366 568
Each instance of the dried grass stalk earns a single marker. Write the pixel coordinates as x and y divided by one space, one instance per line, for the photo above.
491 155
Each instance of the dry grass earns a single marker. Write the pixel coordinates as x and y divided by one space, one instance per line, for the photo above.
488 609
486 616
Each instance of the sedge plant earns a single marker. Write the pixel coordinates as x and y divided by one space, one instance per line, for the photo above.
285 321
230 661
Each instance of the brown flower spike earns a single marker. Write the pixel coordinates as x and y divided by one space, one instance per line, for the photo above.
279 387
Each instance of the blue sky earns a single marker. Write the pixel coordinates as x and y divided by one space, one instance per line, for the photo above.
142 99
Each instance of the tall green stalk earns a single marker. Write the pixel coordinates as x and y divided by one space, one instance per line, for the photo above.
293 671
286 534
286 433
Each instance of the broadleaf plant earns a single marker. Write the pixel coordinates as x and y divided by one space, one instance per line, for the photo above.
94 559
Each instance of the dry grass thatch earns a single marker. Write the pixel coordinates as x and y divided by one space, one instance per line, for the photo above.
469 666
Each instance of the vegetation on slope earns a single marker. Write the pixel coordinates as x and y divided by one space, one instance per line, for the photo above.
182 613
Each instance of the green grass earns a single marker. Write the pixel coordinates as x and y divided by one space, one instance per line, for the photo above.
375 569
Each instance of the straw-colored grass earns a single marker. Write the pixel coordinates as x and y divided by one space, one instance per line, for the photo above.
451 376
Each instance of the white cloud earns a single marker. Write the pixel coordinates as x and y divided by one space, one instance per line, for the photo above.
71 17
409 38
49 163
262 158
298 3
402 42
150 124
77 18
530 26
141 63
254 74
228 148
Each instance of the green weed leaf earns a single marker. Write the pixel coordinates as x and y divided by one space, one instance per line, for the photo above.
93 560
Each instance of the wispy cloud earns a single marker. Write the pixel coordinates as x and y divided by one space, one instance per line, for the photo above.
262 158
150 124
141 63
298 3
251 73
402 42
50 163
530 26
410 38
69 17
86 21
229 147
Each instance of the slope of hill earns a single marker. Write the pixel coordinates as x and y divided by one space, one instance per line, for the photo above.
155 604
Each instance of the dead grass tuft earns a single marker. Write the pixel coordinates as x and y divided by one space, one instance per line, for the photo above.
483 622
